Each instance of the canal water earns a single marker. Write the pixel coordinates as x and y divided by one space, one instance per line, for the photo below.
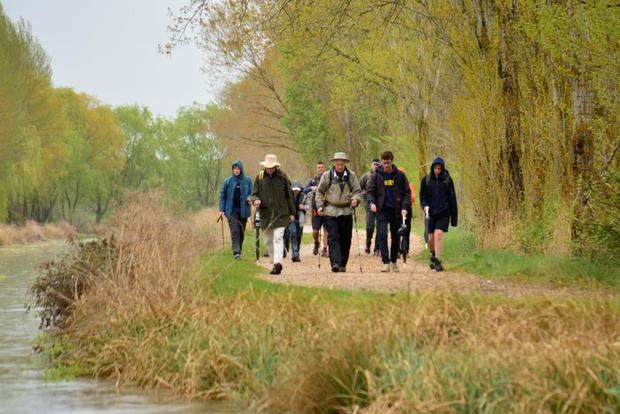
23 387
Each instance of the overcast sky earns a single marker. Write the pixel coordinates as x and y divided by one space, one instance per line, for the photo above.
109 49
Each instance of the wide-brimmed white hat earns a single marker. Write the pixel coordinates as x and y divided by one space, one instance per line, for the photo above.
340 156
270 161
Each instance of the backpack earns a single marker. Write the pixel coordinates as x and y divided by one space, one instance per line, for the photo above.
342 183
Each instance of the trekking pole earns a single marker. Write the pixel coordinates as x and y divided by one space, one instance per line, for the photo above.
319 255
404 248
359 252
219 219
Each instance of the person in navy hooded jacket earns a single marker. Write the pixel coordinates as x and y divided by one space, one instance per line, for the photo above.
233 195
438 200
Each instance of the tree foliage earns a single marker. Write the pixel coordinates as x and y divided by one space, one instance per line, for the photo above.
521 97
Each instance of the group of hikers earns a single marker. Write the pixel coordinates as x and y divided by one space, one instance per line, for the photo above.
330 199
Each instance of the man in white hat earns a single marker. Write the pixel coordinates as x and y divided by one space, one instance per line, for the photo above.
273 198
338 194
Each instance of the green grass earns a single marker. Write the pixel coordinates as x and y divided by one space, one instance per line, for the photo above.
462 253
227 276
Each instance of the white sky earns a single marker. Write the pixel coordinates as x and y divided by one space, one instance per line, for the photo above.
109 49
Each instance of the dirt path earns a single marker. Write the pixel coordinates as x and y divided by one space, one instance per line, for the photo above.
417 276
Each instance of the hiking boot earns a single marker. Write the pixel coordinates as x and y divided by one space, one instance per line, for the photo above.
385 268
335 269
342 269
315 251
438 265
395 268
277 269
432 263
296 259
324 252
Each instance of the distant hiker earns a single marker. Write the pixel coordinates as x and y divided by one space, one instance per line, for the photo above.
389 197
338 193
233 204
273 197
317 220
371 218
438 200
296 228
407 234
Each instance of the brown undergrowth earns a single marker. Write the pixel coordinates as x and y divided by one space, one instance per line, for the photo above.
34 232
151 321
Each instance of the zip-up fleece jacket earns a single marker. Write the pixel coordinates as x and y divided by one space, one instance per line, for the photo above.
335 199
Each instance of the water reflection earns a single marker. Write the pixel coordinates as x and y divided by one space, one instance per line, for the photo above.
23 388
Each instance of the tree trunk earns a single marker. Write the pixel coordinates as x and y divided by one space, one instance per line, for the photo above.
508 72
582 159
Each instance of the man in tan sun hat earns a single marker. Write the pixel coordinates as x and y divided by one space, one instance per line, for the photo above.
273 198
338 193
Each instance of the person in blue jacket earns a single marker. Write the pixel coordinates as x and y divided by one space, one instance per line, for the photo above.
233 195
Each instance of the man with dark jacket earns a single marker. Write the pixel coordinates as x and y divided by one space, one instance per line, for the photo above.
371 218
438 200
317 221
233 204
389 196
273 197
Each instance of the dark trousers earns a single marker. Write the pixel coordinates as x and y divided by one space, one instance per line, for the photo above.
371 218
393 219
237 231
339 232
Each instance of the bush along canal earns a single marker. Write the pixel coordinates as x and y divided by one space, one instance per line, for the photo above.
26 386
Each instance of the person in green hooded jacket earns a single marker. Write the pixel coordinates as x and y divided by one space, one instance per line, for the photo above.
273 198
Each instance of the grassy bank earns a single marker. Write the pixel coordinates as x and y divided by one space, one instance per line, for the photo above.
208 328
461 252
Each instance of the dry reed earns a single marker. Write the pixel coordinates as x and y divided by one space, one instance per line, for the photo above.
149 323
34 232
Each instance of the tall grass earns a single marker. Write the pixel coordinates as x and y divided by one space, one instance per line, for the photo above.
154 322
34 232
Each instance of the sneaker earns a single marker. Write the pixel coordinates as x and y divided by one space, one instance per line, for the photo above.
385 268
266 255
342 269
277 269
324 252
438 265
395 268
315 251
378 253
431 264
367 250
237 256
296 259
335 269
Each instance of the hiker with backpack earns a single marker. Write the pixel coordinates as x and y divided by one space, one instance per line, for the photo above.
296 228
337 195
371 218
438 200
233 194
389 196
273 198
317 220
